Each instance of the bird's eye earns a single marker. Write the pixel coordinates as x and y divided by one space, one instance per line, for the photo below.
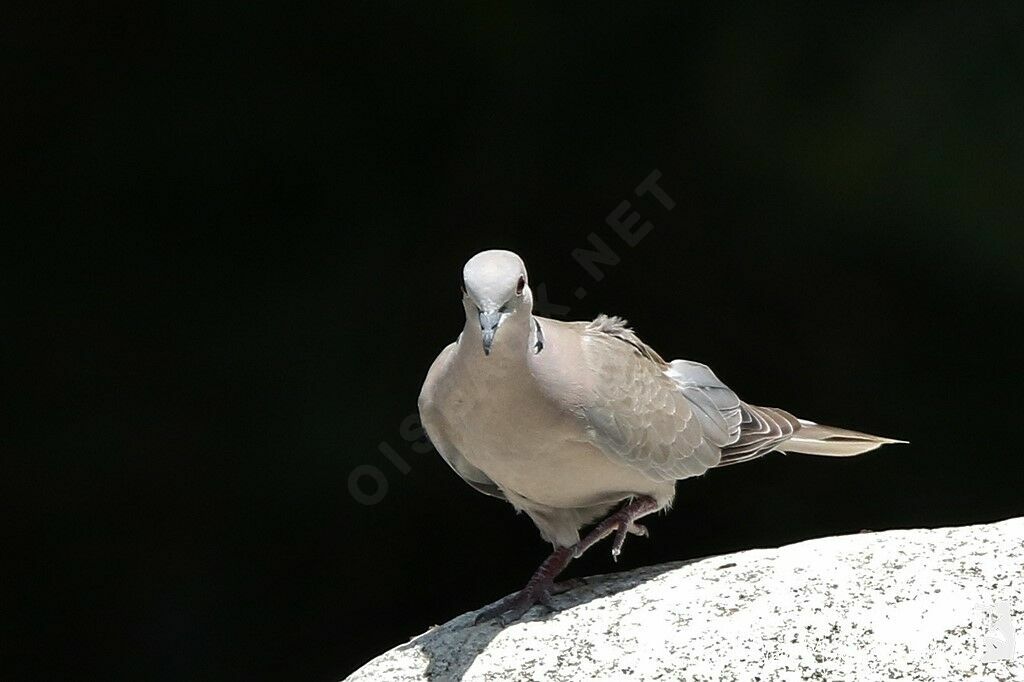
520 285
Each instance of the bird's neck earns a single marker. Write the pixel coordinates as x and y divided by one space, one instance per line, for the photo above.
512 344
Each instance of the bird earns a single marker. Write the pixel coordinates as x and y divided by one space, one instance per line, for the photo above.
582 425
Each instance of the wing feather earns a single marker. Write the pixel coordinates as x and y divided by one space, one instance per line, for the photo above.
762 430
637 415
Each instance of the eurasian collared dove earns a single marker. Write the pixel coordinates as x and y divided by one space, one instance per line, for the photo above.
565 420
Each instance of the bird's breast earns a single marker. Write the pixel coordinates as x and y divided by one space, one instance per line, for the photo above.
507 426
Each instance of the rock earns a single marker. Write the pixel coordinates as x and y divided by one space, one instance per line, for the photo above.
911 604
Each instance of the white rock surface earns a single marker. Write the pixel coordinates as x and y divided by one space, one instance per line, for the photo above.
903 604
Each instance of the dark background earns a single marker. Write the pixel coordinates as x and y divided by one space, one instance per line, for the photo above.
233 237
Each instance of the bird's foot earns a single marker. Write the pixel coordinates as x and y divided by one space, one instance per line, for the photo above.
620 537
566 585
515 606
538 590
621 523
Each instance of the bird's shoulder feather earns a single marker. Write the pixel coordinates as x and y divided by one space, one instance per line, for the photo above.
634 412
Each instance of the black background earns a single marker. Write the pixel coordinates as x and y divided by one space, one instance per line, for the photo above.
233 236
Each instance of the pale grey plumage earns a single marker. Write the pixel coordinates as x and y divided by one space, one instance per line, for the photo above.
566 419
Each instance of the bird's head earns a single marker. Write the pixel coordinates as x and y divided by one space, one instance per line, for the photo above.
494 289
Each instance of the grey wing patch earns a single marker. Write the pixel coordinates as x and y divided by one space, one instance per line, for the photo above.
637 415
714 403
744 432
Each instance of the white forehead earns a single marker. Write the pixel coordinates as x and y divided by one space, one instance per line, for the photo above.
492 275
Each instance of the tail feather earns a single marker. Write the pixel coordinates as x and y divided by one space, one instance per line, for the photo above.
831 441
745 432
766 429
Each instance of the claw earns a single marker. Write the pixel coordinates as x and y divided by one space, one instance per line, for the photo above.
625 527
537 591
621 523
514 607
542 585
566 585
620 539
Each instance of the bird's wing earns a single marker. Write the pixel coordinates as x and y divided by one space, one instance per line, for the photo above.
437 429
637 414
763 429
718 409
742 431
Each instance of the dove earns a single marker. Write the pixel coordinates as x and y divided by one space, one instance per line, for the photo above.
581 425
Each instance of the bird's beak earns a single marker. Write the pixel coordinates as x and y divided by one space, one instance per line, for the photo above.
489 322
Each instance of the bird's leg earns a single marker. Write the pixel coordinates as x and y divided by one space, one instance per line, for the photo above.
538 590
542 583
621 523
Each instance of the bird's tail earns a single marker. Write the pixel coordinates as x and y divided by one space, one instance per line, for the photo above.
764 429
830 441
746 432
